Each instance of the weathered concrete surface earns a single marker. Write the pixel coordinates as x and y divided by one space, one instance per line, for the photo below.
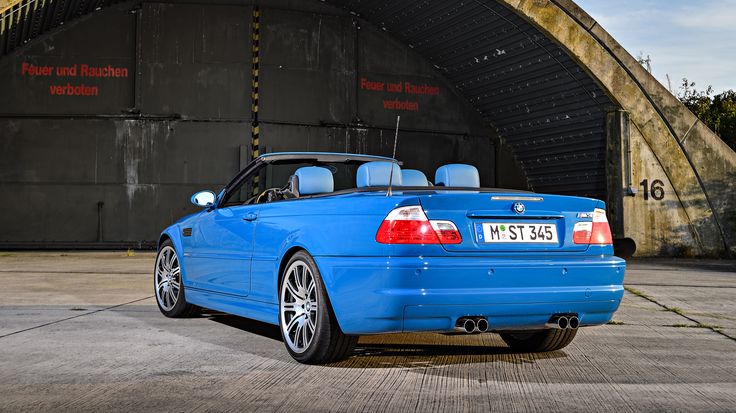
681 151
81 332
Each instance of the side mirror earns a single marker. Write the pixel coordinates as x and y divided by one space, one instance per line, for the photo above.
204 199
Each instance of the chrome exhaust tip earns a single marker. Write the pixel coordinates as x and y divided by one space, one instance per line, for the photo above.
481 325
563 321
469 325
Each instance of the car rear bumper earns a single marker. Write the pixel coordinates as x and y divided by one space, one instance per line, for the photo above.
401 294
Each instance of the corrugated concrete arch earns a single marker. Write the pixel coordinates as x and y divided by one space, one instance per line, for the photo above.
579 114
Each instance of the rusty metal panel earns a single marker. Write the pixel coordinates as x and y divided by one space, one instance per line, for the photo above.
307 70
196 60
142 171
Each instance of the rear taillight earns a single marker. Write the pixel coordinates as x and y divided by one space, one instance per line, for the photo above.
596 233
446 232
409 225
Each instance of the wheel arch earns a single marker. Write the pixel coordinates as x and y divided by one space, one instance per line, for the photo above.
285 257
172 235
163 238
326 279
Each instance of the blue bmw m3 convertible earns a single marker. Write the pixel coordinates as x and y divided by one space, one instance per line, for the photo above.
332 246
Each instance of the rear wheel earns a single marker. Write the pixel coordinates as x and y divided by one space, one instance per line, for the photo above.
308 325
167 284
539 341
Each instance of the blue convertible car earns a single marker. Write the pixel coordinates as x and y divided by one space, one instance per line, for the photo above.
331 246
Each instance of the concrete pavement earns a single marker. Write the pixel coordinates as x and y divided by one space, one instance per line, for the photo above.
81 332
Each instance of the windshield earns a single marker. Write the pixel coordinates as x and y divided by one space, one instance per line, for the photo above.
273 179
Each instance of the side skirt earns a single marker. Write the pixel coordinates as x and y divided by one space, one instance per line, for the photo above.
236 305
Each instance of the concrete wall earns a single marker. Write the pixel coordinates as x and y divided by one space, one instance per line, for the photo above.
695 216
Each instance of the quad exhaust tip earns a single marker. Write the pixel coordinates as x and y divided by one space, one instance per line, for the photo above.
564 322
472 325
481 325
469 325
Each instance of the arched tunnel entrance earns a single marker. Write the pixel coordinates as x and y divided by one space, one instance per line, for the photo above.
118 116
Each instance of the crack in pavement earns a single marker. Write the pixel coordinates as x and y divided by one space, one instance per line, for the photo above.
680 313
73 317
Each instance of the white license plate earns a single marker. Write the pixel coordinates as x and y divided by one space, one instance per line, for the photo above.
515 233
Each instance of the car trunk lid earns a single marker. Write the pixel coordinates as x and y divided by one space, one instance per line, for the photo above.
510 222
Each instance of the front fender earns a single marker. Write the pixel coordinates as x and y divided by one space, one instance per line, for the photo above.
174 234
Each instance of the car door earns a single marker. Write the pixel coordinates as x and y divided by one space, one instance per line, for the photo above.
220 248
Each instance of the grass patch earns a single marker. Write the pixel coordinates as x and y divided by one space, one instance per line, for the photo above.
5 254
699 325
713 327
676 310
638 293
615 323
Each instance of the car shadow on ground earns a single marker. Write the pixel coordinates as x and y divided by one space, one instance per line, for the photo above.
436 355
245 324
406 350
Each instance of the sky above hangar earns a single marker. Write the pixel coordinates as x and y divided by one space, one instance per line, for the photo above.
684 38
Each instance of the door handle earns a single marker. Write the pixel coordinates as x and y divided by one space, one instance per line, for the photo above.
250 217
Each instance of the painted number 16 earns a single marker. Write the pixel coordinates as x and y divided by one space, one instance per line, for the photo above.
656 190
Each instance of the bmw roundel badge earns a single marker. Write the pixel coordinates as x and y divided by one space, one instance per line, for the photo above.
519 208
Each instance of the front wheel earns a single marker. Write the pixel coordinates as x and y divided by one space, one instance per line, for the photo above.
308 325
168 286
539 341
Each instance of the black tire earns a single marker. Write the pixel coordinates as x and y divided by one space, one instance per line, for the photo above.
181 308
539 341
328 343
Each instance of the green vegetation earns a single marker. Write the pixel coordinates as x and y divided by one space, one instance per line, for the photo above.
676 310
718 112
712 327
639 293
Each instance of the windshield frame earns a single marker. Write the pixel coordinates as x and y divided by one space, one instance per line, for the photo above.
315 158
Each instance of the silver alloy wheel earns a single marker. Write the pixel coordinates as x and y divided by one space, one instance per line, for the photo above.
167 278
298 306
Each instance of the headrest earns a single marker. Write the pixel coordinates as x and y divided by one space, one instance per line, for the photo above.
457 175
314 180
377 174
412 177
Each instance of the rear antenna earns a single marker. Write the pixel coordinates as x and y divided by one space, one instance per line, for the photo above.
393 158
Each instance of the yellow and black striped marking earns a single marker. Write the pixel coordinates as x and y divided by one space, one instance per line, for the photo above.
255 129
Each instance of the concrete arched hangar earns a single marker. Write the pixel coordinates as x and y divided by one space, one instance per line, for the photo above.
114 112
